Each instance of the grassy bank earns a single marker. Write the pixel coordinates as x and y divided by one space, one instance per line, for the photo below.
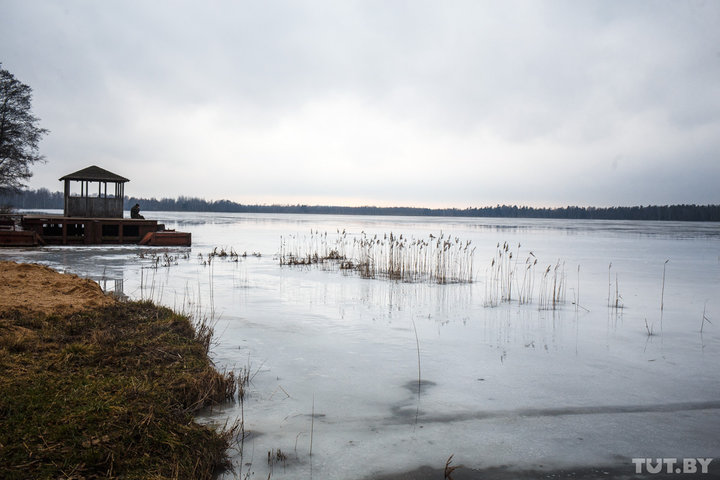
108 392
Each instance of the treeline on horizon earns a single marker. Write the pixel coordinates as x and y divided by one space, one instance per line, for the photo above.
44 199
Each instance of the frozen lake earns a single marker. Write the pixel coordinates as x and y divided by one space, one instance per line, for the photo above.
334 356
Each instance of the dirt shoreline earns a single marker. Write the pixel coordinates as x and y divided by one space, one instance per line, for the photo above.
37 289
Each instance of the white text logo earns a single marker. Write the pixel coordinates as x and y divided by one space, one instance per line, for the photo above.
672 465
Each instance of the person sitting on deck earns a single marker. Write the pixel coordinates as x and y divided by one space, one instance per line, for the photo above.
135 212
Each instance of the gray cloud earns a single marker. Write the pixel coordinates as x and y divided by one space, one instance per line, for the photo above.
412 103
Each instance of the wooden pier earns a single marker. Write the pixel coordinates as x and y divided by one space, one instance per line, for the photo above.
59 230
92 216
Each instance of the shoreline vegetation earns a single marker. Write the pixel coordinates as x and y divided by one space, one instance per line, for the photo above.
105 389
44 199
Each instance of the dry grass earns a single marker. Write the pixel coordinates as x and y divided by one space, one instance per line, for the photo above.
108 393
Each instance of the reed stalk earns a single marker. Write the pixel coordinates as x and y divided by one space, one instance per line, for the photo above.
704 319
312 423
662 293
417 344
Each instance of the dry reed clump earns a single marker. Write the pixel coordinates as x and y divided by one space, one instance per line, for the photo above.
506 279
442 259
222 253
164 258
109 393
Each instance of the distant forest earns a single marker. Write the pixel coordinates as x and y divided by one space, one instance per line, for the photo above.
45 199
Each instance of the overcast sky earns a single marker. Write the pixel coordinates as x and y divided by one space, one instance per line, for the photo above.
412 103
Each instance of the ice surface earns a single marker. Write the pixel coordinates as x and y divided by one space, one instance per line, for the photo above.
505 385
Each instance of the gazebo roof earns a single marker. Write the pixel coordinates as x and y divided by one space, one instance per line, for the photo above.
95 174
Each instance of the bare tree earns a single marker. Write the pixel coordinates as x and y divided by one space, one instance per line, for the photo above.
19 133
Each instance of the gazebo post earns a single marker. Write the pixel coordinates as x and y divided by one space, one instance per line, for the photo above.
67 195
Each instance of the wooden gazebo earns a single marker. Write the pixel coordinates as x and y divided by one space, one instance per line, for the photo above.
94 201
